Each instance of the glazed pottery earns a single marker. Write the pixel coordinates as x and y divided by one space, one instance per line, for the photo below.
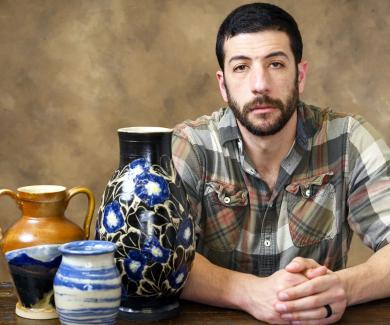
145 212
87 284
42 223
32 270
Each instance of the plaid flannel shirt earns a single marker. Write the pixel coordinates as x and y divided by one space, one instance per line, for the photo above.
334 181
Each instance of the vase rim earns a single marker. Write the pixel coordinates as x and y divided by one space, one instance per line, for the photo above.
48 251
145 129
41 189
88 247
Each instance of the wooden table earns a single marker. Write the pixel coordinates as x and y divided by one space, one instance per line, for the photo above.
373 313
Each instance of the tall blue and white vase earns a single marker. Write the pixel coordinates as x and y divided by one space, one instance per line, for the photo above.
87 286
145 211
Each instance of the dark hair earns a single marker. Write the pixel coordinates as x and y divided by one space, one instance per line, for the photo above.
256 17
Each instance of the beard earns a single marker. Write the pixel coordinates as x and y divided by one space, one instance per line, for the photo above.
286 111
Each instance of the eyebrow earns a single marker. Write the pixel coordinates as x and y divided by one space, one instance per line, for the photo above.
270 55
238 57
277 53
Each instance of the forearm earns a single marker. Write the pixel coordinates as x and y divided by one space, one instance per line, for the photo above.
368 281
214 285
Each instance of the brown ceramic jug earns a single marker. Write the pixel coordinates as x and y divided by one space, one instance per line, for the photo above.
43 220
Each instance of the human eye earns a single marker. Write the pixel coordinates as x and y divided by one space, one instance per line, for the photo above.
240 68
277 65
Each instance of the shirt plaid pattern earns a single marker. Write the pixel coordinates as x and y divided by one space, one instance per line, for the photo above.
334 181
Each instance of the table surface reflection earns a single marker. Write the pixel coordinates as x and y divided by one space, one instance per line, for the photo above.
373 313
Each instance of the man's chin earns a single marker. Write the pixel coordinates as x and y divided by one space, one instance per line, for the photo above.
263 125
262 130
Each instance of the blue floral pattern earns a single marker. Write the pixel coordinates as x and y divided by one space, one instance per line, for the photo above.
150 188
177 278
112 217
134 265
145 213
135 168
154 251
186 233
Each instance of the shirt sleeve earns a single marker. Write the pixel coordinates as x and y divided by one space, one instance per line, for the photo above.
368 163
188 163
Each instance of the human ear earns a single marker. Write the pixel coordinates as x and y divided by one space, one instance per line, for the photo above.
221 84
302 73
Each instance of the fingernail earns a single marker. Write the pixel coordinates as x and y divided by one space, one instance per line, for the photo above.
281 307
283 296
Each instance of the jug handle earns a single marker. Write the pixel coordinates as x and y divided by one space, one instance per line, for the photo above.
9 193
13 195
91 206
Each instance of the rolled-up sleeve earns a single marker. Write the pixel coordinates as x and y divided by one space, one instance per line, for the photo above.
368 165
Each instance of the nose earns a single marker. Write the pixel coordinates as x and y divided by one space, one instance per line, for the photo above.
259 82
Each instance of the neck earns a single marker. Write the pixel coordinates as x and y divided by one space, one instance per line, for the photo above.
267 152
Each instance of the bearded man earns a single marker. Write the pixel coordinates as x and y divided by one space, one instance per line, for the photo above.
277 186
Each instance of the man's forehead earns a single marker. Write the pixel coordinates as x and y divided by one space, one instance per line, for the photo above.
261 43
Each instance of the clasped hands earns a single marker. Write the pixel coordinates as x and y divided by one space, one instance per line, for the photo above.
304 302
298 295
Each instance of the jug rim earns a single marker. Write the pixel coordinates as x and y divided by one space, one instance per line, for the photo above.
41 189
145 129
50 250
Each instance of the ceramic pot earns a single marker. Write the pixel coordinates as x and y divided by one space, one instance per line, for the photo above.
32 270
42 223
87 284
145 212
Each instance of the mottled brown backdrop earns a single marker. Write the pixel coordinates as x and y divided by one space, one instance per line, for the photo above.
73 72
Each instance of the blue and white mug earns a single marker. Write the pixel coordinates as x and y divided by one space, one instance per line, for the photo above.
87 286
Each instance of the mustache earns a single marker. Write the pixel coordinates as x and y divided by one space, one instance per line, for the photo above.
263 100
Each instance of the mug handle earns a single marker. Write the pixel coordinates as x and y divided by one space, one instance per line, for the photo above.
91 206
11 194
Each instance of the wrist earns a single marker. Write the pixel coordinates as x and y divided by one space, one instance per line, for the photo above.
243 290
344 280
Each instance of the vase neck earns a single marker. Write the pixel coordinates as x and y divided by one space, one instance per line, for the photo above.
151 146
90 261
42 209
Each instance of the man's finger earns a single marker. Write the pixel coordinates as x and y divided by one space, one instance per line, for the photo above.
316 272
307 288
310 314
300 264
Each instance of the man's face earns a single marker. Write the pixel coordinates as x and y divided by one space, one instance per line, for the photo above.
261 81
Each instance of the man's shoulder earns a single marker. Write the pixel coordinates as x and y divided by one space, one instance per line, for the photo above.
317 119
320 115
205 125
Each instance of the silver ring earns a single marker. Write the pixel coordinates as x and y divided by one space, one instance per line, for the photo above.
329 311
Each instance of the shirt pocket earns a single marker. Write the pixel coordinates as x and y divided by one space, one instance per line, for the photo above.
311 210
224 213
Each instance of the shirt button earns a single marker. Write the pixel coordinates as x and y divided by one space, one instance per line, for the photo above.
306 193
267 243
226 200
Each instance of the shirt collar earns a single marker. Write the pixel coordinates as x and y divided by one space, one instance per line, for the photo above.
228 129
305 126
301 137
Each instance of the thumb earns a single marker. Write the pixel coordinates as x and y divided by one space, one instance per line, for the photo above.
295 267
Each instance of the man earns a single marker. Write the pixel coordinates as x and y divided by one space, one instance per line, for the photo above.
277 186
